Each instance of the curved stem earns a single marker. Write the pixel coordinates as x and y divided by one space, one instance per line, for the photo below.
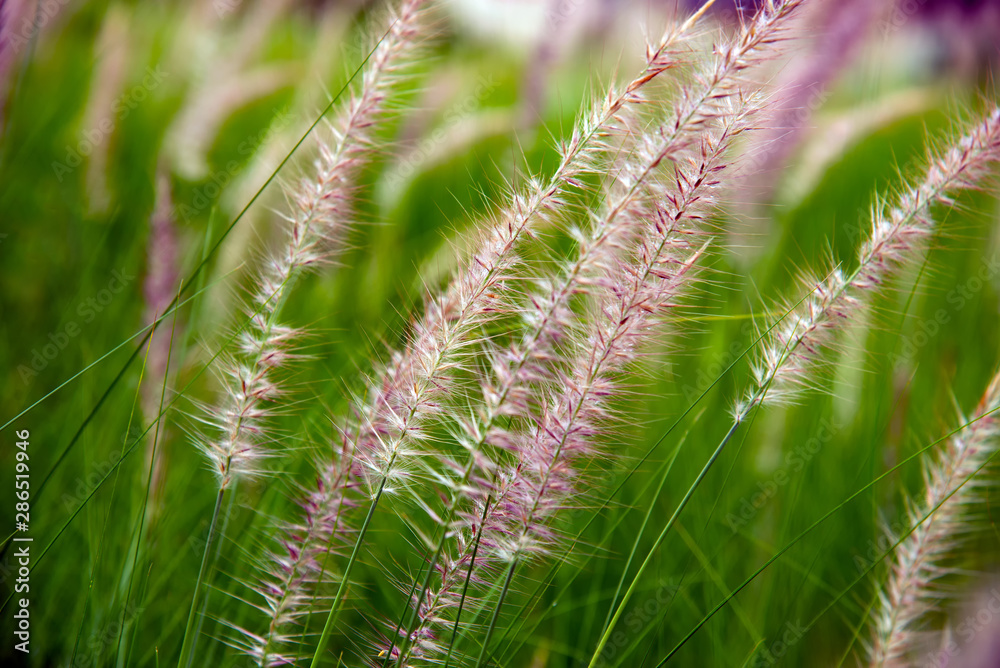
345 578
659 540
188 644
496 612
465 587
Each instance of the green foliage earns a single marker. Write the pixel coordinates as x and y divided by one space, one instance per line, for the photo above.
898 376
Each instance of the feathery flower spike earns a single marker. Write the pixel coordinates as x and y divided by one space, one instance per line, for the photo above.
319 223
793 347
410 387
951 499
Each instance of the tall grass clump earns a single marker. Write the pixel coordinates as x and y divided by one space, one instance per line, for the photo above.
318 226
540 406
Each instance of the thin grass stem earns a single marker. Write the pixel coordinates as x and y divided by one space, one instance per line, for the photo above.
186 656
338 599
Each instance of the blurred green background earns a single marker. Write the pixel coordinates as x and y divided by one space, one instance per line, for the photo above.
185 109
